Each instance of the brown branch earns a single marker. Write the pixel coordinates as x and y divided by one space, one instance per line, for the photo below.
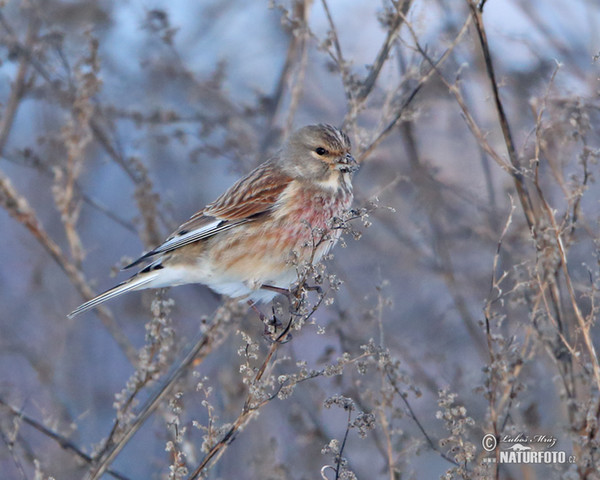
413 416
62 441
248 409
362 155
384 51
584 326
298 83
522 190
210 340
297 49
66 98
18 207
495 285
556 230
453 88
338 57
16 94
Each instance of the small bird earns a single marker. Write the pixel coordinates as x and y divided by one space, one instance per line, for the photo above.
248 243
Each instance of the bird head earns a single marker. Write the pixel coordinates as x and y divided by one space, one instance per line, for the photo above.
318 152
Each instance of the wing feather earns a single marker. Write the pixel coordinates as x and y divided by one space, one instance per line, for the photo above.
255 193
250 197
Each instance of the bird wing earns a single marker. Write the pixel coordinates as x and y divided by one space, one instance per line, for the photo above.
250 197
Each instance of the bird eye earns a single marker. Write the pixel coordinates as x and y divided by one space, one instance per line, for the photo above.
321 151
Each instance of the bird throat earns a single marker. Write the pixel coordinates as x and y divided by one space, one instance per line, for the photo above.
334 181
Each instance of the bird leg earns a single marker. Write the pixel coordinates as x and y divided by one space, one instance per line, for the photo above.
314 288
271 324
261 315
281 291
293 300
290 295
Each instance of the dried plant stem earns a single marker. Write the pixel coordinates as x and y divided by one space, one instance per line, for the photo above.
18 88
64 442
584 326
207 343
292 73
522 190
249 409
18 207
67 97
415 419
343 445
381 135
532 217
298 84
402 8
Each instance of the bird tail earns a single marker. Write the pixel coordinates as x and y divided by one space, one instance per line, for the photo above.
134 283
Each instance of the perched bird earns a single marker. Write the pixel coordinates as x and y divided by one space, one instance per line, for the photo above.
254 235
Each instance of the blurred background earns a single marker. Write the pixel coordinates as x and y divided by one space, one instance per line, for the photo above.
473 271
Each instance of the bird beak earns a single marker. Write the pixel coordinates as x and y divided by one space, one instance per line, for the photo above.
347 164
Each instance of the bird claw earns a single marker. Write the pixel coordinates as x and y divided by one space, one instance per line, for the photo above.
314 288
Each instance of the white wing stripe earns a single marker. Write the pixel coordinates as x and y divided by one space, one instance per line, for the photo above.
195 235
183 238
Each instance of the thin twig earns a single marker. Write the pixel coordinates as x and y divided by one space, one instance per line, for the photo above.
36 163
62 441
18 207
369 83
362 155
18 88
522 190
416 420
248 410
296 54
343 445
207 342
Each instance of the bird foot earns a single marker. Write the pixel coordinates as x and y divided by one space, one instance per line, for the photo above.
271 323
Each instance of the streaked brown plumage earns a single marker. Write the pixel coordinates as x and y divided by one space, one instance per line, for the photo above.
248 236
